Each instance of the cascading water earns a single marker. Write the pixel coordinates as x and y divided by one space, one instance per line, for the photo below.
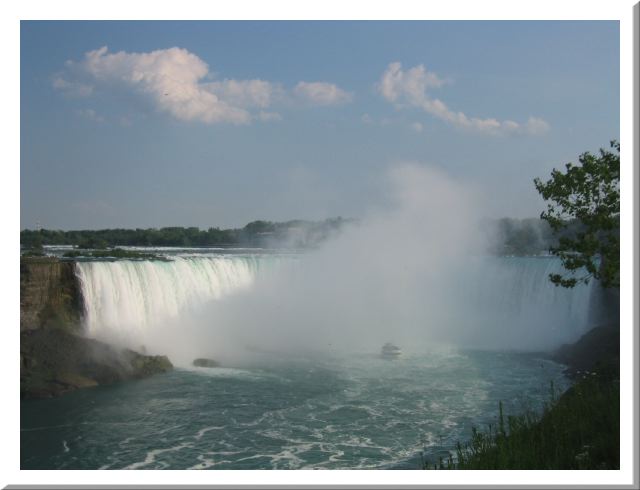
123 297
513 298
488 302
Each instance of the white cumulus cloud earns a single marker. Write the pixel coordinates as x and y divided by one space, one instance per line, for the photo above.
179 83
246 93
411 84
535 125
172 78
411 88
321 93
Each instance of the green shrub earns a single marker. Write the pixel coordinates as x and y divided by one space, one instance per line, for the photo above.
578 430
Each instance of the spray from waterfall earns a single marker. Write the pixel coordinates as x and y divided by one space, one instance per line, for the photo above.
413 272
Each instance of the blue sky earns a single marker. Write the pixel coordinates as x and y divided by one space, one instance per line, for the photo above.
220 123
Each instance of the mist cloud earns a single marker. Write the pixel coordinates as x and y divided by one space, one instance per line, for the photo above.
385 279
413 271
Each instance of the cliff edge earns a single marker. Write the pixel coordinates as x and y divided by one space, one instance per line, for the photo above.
49 294
54 356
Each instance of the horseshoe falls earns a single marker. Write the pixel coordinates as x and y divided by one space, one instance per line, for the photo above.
128 296
510 301
326 407
124 301
492 302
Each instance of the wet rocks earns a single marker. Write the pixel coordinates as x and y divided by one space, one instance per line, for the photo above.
205 362
53 362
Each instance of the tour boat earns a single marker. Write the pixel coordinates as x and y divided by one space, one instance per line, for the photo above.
390 351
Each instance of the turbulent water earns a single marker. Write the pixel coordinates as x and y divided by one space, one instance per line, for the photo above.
360 412
324 409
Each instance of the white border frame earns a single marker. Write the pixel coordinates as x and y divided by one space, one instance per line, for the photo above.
292 10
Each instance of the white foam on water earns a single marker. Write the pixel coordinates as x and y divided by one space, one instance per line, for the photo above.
151 456
287 458
202 432
208 462
226 372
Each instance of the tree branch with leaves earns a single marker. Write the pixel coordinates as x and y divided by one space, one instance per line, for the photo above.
588 194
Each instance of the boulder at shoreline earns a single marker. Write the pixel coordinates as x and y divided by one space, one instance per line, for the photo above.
54 362
205 362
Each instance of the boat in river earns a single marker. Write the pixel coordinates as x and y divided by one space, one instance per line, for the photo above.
390 351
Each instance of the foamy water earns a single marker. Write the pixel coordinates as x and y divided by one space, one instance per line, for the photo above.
362 412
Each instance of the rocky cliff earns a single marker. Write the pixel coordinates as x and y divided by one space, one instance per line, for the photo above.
53 362
54 356
597 350
49 295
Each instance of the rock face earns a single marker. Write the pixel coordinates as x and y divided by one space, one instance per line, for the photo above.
54 361
54 357
49 294
204 362
598 349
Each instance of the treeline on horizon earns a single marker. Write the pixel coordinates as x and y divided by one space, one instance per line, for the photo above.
294 234
507 236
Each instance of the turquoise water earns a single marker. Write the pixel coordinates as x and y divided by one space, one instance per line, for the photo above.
357 412
279 412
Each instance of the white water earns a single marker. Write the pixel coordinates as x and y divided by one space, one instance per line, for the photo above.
492 302
125 297
513 299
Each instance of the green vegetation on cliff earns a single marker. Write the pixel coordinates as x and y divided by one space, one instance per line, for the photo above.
578 430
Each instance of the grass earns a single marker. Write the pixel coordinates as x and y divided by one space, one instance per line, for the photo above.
578 430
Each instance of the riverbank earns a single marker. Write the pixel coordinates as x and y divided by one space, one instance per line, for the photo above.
596 351
580 429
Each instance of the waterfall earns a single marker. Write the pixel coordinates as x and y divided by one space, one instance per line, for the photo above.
122 297
482 302
512 297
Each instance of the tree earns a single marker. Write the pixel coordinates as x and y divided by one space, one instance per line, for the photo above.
587 198
93 242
